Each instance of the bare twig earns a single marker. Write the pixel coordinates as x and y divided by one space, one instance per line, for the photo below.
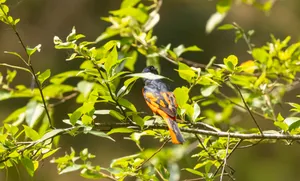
240 106
157 151
64 99
243 136
248 109
225 159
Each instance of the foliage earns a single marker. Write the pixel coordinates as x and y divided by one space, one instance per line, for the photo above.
28 135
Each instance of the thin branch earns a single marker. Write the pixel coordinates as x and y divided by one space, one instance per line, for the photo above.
108 176
250 145
225 159
248 109
111 93
157 151
240 106
64 99
243 136
28 63
245 37
42 95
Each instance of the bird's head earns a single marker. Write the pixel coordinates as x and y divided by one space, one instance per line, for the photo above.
150 69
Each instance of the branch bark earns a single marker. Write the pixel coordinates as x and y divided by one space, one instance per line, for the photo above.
244 136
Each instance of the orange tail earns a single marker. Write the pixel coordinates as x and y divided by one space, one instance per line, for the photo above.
175 133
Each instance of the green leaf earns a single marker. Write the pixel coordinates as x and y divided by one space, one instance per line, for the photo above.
109 32
138 120
128 84
181 49
75 117
31 133
49 153
120 130
100 134
10 75
281 125
185 72
279 117
34 111
296 107
15 67
231 61
15 54
91 174
138 14
260 54
127 104
208 90
292 122
130 61
87 120
197 112
31 51
129 3
195 172
260 80
181 95
112 59
28 164
85 87
71 168
44 76
223 6
213 21
17 116
60 78
147 75
116 114
226 27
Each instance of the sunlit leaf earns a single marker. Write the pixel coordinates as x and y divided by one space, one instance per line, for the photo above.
181 95
147 75
182 49
100 134
223 6
120 130
213 21
34 111
185 72
31 133
292 122
29 166
208 90
226 27
129 3
71 168
31 51
130 11
44 76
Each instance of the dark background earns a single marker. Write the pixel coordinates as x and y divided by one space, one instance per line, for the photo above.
182 22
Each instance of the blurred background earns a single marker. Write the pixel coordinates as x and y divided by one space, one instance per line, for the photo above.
182 22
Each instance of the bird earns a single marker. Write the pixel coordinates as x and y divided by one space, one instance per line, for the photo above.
162 102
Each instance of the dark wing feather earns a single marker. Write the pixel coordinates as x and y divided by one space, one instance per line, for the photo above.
162 100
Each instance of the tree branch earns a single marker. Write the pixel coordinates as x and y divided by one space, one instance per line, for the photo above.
244 136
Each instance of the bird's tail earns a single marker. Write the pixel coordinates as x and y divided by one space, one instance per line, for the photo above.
175 133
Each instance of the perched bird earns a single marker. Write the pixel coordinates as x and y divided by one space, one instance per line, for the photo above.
162 102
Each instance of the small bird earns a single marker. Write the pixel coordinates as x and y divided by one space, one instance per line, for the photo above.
162 102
